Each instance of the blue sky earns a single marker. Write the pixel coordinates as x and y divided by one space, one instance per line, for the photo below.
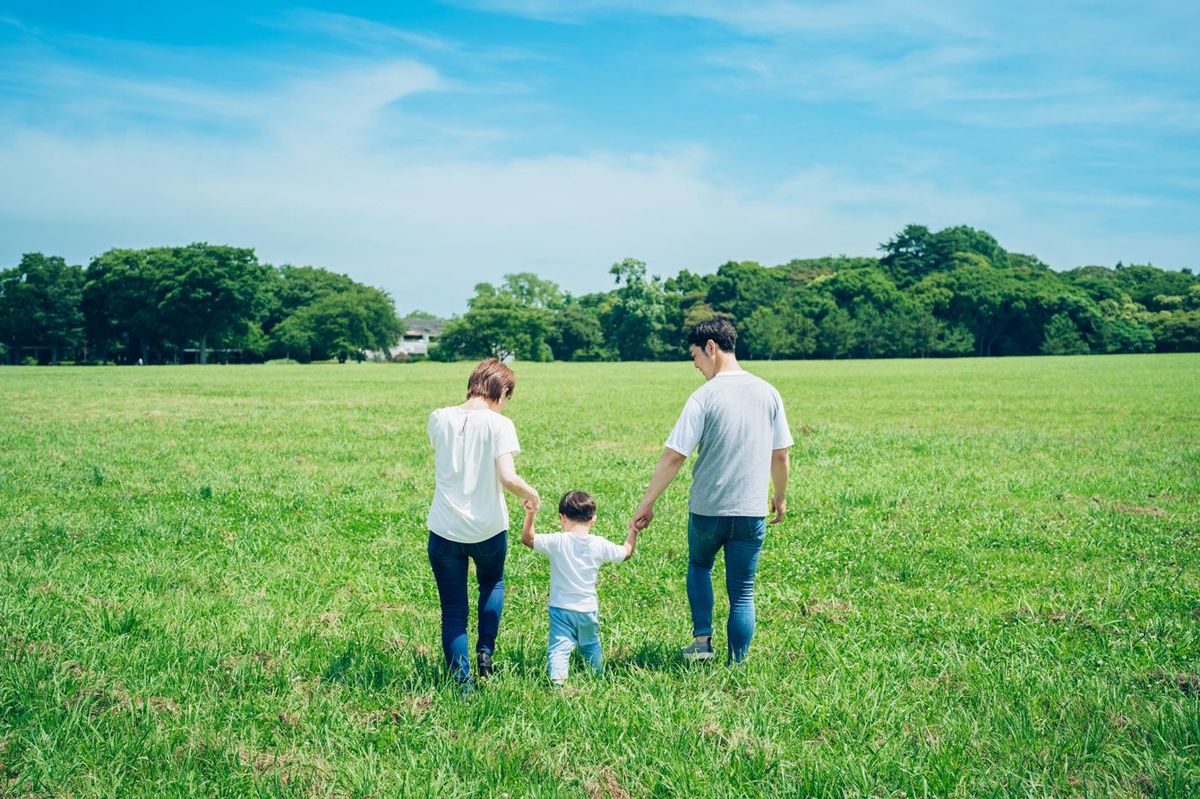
423 147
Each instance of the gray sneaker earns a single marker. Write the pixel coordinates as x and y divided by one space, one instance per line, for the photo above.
698 651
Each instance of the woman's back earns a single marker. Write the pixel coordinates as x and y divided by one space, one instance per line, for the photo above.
468 501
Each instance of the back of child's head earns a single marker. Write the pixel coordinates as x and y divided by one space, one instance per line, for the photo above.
578 506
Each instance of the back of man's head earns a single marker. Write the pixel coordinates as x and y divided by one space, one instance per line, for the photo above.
719 331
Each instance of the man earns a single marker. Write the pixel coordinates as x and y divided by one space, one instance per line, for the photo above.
738 423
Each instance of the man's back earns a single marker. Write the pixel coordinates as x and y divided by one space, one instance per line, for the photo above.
736 420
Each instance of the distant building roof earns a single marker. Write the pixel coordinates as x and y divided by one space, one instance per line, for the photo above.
426 326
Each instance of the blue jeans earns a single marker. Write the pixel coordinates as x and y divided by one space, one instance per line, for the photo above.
742 537
568 628
449 562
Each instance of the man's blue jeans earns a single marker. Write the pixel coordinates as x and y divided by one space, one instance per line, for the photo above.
449 562
742 538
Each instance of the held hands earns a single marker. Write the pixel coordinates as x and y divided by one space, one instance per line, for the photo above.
641 519
532 505
778 509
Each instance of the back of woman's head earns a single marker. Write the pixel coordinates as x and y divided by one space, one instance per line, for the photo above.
491 380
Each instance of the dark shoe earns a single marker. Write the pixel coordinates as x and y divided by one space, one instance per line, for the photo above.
698 650
484 663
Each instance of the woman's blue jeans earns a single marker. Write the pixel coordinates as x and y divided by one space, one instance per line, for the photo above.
742 538
449 562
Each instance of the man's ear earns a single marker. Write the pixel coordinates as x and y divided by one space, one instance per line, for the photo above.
711 352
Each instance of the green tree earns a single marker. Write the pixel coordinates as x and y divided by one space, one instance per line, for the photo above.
122 295
576 335
1146 284
40 306
907 257
1176 331
342 325
290 288
913 330
835 333
532 291
779 332
211 291
293 338
637 318
1063 337
1122 328
496 325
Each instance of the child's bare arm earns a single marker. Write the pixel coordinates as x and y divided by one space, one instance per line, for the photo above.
527 528
630 543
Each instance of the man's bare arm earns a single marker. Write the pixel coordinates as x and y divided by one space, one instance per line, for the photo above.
664 473
780 466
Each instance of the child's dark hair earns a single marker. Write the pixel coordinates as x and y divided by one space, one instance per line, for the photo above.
720 331
578 506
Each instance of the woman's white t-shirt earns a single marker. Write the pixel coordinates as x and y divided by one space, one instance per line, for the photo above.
468 501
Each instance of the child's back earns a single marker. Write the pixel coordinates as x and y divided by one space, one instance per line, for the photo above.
574 565
575 557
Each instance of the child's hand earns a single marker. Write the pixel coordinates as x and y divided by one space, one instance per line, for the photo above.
530 507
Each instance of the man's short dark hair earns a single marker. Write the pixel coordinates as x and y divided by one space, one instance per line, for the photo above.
578 506
720 331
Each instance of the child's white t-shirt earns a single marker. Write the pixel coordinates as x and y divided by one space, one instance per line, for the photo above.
574 564
468 501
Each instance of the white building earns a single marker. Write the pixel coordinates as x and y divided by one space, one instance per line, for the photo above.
418 335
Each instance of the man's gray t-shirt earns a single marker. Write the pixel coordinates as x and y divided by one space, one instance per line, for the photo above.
736 420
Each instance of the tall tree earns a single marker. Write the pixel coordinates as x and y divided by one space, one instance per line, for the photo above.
122 294
576 335
40 305
496 325
907 258
342 325
212 291
532 291
638 314
290 288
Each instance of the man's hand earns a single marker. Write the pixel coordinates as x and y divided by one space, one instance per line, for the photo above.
778 508
641 519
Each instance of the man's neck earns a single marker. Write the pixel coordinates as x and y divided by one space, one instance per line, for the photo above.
727 362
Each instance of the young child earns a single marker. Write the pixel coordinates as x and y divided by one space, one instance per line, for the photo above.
575 557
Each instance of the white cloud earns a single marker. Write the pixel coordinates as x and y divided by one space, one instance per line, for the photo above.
428 230
358 30
771 18
329 164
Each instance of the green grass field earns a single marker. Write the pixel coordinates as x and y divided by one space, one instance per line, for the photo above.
214 583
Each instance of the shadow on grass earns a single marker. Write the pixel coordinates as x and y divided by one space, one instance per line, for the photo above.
363 664
646 656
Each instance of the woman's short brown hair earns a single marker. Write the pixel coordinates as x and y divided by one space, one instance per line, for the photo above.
491 380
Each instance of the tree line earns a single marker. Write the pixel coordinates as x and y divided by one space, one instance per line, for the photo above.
173 304
947 293
952 292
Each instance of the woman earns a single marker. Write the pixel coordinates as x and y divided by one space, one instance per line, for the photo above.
473 448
